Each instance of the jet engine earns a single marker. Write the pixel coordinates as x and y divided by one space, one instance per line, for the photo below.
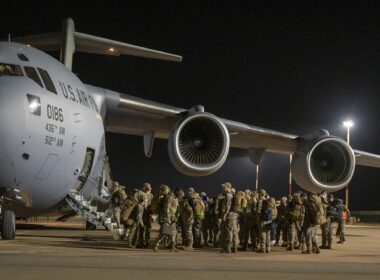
325 164
199 144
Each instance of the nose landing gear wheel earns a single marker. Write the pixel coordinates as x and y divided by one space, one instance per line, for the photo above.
8 225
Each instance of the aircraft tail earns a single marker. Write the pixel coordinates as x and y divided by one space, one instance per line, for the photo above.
70 41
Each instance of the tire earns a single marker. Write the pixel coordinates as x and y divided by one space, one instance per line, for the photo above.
90 226
8 225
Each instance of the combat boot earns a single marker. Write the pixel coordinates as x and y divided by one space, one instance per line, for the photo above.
234 250
173 249
188 248
227 250
155 248
323 247
307 251
316 250
290 247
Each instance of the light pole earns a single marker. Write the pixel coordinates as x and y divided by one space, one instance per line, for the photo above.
348 124
257 177
290 175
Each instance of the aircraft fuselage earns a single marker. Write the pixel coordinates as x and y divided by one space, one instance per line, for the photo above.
52 137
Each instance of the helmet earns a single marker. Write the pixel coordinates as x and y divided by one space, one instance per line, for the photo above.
164 189
147 186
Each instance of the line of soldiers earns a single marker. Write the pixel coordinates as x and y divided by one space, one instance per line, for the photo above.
232 221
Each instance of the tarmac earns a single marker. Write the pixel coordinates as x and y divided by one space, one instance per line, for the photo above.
51 250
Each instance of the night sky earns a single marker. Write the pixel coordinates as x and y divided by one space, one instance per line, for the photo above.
288 65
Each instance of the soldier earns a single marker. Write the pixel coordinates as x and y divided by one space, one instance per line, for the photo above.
232 225
144 234
344 216
223 214
245 227
117 199
218 207
135 220
331 219
314 216
281 223
167 209
265 224
185 219
208 223
198 207
294 220
255 220
273 228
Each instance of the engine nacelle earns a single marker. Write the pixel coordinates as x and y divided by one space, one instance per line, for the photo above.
325 164
199 144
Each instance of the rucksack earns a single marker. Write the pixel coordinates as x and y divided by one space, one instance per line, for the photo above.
294 212
274 210
198 207
266 212
240 202
127 209
317 211
154 204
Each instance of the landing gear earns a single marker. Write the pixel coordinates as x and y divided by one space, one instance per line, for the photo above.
8 225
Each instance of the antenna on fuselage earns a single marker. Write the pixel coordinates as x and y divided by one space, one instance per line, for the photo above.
9 37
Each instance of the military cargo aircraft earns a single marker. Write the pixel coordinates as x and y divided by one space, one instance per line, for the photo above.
52 130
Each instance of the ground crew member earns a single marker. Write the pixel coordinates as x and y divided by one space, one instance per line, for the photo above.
344 217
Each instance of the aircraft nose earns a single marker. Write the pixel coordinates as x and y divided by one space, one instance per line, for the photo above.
12 128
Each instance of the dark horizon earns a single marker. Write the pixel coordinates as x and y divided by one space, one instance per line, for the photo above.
289 67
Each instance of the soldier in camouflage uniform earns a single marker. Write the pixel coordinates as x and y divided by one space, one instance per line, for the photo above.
311 222
255 220
185 219
135 221
281 223
294 219
117 199
223 215
198 207
208 223
144 234
246 225
265 224
218 205
328 227
167 210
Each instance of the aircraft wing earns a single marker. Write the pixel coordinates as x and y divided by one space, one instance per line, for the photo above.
127 114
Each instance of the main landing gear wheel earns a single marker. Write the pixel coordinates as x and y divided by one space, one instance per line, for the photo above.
8 225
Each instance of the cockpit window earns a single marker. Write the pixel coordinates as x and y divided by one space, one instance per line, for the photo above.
47 80
32 73
10 70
